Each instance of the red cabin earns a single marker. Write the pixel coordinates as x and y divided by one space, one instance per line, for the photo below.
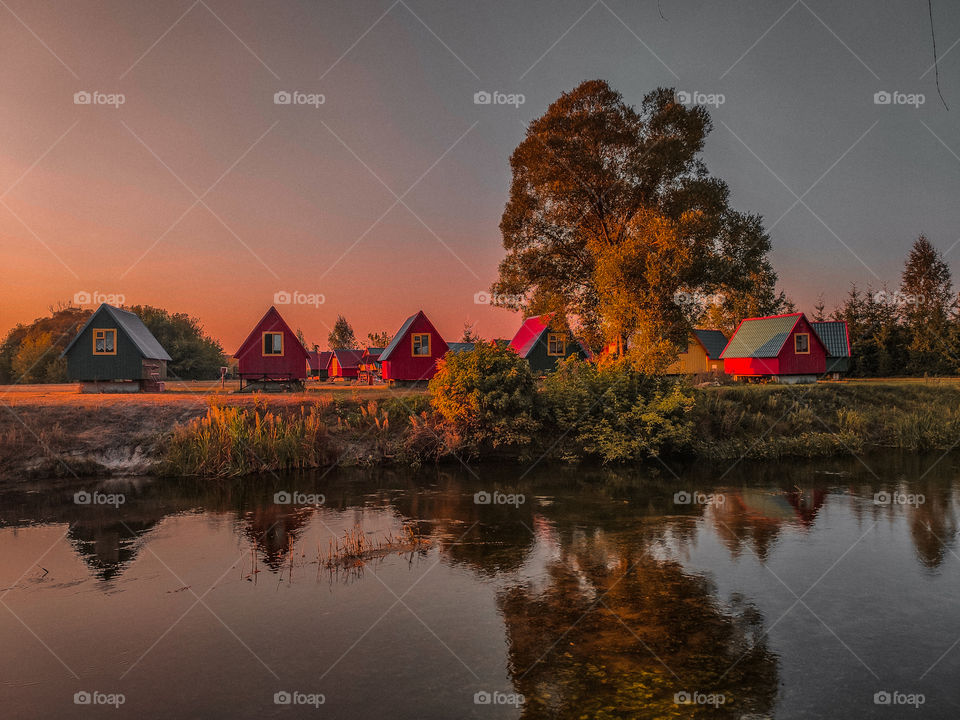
785 348
345 363
413 353
271 353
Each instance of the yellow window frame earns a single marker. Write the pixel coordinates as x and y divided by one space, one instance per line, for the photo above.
263 344
796 338
413 345
559 342
101 334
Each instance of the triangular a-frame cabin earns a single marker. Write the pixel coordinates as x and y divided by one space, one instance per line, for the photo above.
115 352
543 346
272 354
784 348
413 353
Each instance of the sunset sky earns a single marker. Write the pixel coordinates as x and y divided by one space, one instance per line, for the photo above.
199 194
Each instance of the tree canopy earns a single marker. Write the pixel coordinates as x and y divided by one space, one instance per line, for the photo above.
341 337
612 217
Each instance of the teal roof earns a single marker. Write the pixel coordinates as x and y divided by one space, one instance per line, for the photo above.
834 337
459 347
132 326
713 342
761 337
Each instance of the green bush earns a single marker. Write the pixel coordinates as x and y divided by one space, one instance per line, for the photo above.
487 395
615 413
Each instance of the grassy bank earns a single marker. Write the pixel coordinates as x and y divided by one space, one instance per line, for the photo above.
227 435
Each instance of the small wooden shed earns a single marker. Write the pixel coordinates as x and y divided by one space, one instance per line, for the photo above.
272 358
783 348
413 353
702 355
542 343
115 352
318 362
345 363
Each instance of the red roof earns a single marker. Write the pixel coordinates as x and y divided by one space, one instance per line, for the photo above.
529 333
319 359
348 359
277 322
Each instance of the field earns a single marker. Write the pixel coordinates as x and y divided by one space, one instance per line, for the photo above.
55 429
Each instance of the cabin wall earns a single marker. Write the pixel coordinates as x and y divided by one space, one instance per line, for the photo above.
750 367
813 363
694 360
541 362
403 366
82 364
292 364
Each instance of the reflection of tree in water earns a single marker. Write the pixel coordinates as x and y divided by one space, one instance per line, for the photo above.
108 545
933 524
616 633
274 529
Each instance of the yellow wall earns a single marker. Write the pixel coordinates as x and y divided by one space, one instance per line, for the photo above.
694 360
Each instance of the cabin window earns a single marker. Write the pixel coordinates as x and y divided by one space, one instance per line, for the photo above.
556 344
104 342
272 343
421 344
801 343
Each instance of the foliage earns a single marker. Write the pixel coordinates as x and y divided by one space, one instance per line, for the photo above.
230 441
612 214
615 413
341 337
487 394
379 339
469 333
194 355
31 353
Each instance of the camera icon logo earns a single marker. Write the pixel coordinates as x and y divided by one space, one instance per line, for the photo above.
482 97
282 498
482 498
282 698
682 498
482 697
882 97
882 698
81 298
481 298
282 97
282 297
82 498
82 698
683 698
82 98
882 498
683 97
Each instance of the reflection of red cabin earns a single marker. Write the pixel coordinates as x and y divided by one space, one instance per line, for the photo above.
782 347
271 352
345 363
413 353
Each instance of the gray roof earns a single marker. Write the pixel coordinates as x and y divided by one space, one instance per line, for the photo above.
459 347
713 342
834 337
395 343
133 327
761 337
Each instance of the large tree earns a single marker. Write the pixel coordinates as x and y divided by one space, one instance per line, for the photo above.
194 355
612 215
342 336
926 295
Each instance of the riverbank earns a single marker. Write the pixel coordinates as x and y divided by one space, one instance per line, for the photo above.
54 431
